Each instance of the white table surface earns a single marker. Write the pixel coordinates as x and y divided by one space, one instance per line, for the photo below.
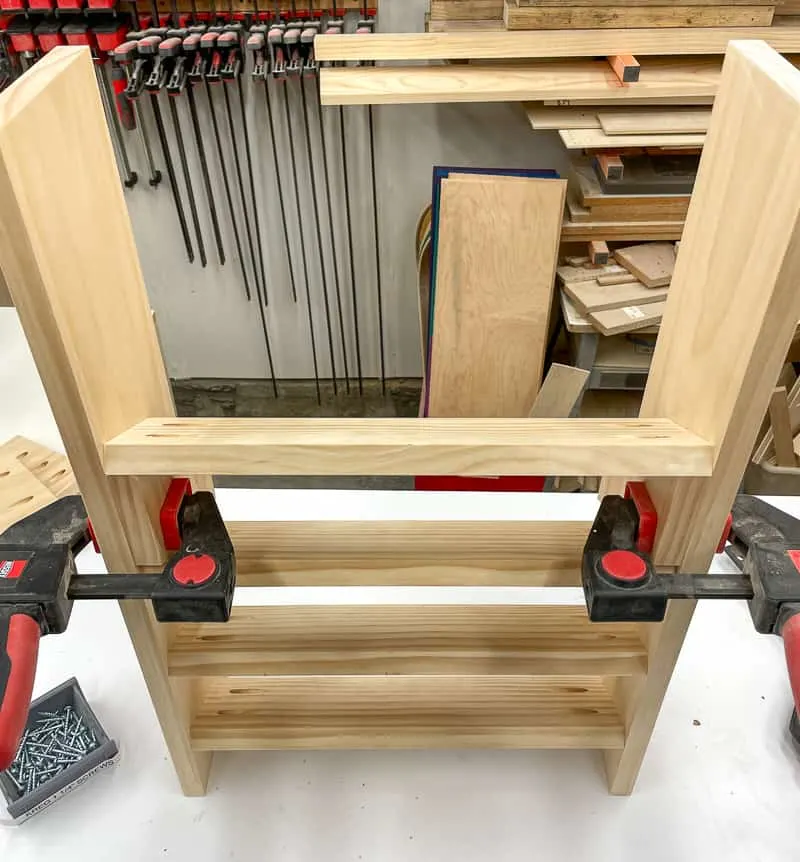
727 788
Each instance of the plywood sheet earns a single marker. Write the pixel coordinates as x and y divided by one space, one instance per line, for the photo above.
496 258
51 468
21 493
587 139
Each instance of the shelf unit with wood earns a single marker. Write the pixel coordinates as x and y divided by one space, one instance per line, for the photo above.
410 676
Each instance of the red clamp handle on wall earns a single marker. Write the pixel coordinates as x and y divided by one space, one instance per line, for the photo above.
790 632
19 651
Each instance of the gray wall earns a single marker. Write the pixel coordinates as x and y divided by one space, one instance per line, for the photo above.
207 327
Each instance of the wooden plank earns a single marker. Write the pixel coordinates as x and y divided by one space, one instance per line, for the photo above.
99 379
408 553
406 639
781 428
405 712
541 117
656 122
21 493
612 17
596 139
630 212
620 231
540 44
652 263
647 2
628 318
590 296
606 280
406 447
560 392
559 79
465 10
496 257
720 386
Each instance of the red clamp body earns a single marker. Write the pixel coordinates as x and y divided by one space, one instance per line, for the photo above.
170 512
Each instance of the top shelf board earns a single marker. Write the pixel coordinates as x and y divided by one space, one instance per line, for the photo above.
541 44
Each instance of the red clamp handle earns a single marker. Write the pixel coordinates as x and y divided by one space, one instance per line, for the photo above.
19 650
791 644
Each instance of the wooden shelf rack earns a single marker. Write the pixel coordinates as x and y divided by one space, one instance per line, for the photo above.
405 676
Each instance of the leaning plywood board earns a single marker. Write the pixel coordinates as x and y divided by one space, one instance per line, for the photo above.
628 318
652 263
596 139
560 392
678 121
602 17
498 241
590 296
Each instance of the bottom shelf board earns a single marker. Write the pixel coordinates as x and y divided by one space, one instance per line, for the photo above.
364 712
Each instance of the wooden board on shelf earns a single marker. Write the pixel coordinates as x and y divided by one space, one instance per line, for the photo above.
627 231
628 319
557 79
496 258
612 17
541 117
593 196
465 10
590 296
652 263
560 392
488 39
596 139
679 121
624 212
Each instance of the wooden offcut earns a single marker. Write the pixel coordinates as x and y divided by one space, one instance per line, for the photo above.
781 428
652 263
610 166
626 67
685 121
598 252
591 296
628 318
561 391
496 257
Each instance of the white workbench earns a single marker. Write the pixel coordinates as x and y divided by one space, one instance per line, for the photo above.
726 788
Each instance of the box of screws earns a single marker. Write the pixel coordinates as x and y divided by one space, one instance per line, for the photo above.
62 747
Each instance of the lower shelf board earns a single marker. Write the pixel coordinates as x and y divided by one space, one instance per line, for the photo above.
364 712
407 639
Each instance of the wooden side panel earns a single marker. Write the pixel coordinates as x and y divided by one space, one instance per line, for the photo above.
64 233
731 314
496 259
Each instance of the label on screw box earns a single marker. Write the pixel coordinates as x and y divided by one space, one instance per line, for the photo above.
12 568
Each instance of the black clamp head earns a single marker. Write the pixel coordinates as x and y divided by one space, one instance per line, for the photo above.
619 581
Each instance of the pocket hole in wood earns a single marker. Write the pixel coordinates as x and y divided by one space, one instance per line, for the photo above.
23 501
4 474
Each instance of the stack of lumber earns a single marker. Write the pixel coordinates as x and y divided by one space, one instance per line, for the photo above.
31 477
615 128
597 208
780 444
626 295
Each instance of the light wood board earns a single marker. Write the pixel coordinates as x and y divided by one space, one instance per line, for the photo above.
21 493
561 391
593 196
559 79
477 43
673 122
628 318
590 296
398 711
627 231
403 447
465 10
541 117
652 263
612 17
720 386
406 639
496 257
596 139
64 231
